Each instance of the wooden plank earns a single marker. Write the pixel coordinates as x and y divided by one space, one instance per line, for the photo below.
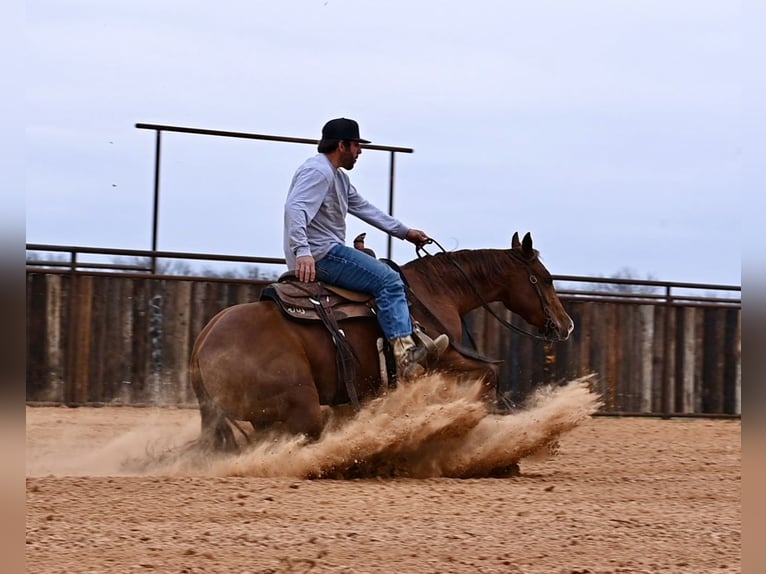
98 333
53 338
628 358
674 384
628 395
126 351
36 352
140 337
585 339
186 393
109 293
156 310
166 384
699 360
222 296
114 359
688 361
597 349
197 319
611 358
244 294
738 366
712 392
82 340
211 300
646 343
658 359
731 352
176 343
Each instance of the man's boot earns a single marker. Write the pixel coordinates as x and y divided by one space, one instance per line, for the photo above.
408 357
441 343
434 347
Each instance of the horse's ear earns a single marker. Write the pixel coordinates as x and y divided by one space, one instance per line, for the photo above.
526 245
515 243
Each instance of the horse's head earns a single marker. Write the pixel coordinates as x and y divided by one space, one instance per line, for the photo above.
536 301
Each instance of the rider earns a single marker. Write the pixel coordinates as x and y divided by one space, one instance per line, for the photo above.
319 198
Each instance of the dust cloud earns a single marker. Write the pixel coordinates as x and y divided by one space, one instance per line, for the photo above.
434 427
103 441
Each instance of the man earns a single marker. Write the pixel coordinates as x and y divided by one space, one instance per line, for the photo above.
320 196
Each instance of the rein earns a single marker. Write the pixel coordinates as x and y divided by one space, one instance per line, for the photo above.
472 353
507 324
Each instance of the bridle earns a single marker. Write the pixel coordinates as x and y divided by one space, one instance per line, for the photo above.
549 322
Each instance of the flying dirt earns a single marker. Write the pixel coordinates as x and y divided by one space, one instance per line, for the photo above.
435 427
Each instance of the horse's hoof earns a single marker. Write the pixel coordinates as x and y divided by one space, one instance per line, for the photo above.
506 471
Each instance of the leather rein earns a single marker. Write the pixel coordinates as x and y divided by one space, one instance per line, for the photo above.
549 323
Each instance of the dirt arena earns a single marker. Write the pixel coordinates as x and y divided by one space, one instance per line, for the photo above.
410 485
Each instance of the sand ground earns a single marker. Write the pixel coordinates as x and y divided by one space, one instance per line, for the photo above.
621 495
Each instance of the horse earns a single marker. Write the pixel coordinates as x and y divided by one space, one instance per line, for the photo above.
253 363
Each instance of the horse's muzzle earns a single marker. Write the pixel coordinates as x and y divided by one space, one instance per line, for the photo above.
559 330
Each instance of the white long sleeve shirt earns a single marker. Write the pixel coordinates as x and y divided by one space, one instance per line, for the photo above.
319 198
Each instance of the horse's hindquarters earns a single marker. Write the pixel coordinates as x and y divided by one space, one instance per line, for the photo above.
259 366
254 368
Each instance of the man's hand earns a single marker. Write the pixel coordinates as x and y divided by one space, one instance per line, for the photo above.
418 237
305 269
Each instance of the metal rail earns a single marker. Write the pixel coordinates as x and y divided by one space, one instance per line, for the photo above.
75 263
159 128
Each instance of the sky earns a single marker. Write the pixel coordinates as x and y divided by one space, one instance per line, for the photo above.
613 131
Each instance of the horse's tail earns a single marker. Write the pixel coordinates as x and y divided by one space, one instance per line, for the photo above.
216 433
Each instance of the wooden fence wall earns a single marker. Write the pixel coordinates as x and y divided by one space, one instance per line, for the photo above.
120 339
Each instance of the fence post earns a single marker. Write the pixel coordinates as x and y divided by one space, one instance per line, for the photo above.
666 372
155 216
391 197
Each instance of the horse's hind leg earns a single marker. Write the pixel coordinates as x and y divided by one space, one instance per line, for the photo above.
216 432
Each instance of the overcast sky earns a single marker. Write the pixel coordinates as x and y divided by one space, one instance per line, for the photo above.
611 130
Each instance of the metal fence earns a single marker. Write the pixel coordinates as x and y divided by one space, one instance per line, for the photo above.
103 329
159 129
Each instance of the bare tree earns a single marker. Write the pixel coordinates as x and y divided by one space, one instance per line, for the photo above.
627 274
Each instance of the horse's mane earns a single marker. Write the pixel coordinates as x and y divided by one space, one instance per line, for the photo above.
489 266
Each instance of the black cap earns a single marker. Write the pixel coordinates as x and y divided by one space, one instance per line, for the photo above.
342 129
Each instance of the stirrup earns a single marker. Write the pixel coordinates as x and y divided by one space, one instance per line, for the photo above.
434 347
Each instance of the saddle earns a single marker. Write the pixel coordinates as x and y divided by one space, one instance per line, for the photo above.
313 301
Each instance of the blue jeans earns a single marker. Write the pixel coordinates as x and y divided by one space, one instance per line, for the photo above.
353 269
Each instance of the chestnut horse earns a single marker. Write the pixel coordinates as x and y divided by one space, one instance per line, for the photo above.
252 363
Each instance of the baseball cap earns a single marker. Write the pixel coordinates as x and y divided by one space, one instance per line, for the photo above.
342 129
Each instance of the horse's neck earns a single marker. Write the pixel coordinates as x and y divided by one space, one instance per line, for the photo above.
465 281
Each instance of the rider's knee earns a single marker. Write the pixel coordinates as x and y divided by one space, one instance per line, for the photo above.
393 285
